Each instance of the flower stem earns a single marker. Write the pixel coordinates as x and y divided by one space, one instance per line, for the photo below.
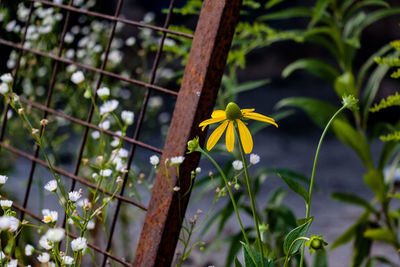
251 195
232 199
313 172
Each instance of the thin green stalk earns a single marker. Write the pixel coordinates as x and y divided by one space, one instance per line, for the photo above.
251 195
232 199
308 205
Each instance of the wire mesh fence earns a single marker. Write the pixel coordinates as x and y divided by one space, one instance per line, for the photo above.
52 104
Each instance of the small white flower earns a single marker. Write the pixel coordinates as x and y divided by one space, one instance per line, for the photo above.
49 216
90 225
149 17
6 203
4 223
12 263
198 170
96 135
29 249
7 78
254 159
79 244
55 234
83 203
3 88
127 117
69 38
177 160
237 165
155 102
109 106
44 243
105 173
74 196
130 41
78 77
123 153
67 260
2 255
51 186
103 92
13 223
154 160
3 179
44 257
105 125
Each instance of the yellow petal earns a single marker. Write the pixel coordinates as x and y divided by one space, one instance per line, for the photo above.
230 137
218 113
210 121
260 117
247 110
216 135
245 137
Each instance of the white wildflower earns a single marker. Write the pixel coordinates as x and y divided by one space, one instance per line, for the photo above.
3 88
90 225
74 196
3 179
7 78
237 165
198 170
29 249
105 125
130 41
44 243
13 223
254 159
103 92
67 260
78 77
44 257
79 244
49 216
177 160
105 173
6 203
55 234
127 116
12 263
109 106
154 160
51 186
95 135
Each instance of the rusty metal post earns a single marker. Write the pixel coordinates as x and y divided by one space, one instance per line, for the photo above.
201 81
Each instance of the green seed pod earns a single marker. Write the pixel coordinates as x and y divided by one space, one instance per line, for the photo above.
233 111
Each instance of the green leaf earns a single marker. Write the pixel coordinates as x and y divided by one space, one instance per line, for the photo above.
300 231
272 3
234 247
374 179
287 14
247 86
382 234
304 220
249 262
314 66
288 173
318 111
357 141
345 85
348 235
353 199
296 187
363 4
319 10
237 263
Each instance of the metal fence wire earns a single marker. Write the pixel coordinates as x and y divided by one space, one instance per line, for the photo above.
194 102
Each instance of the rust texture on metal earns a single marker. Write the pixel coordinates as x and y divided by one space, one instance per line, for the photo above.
195 101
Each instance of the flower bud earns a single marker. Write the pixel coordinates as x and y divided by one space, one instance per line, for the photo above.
193 144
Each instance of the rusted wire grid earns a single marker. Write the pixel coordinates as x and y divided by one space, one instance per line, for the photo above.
204 69
87 124
139 125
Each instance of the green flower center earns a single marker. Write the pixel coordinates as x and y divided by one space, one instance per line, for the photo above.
233 111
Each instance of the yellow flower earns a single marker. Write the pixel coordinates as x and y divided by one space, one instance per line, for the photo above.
228 117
